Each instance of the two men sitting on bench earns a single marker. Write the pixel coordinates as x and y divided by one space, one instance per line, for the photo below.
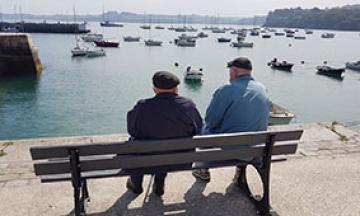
240 106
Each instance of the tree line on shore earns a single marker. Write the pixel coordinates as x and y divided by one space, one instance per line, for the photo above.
339 18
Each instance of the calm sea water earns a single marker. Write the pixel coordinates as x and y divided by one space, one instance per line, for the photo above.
80 96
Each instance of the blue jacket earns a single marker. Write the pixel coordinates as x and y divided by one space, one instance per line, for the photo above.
240 106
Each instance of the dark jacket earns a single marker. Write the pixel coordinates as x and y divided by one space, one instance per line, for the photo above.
164 116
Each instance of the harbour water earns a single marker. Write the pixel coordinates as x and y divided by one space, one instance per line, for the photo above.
81 96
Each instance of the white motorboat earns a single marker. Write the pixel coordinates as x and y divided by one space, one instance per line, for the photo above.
151 42
353 65
328 35
193 75
92 37
91 53
279 115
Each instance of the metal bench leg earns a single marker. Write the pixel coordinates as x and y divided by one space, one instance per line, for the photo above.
76 182
84 196
262 203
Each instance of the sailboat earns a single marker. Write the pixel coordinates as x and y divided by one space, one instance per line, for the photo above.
144 26
107 23
79 49
159 27
151 42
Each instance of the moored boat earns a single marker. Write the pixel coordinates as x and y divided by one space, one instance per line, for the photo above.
78 51
145 27
159 27
193 75
330 71
328 35
151 42
131 39
107 23
180 29
185 43
279 115
300 37
107 43
284 65
91 37
91 53
254 33
202 35
218 30
279 34
241 44
353 65
224 40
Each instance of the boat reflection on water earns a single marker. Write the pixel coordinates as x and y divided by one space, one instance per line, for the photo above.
193 85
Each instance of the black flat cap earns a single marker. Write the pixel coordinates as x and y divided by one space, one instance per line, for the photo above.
165 80
240 62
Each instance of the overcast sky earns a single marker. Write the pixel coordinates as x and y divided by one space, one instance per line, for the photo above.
242 8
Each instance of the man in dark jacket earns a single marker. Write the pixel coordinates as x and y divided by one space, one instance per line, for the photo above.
165 116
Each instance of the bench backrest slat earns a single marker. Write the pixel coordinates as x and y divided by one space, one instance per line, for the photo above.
143 161
131 147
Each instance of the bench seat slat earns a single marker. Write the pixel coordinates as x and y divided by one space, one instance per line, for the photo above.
120 172
60 167
129 147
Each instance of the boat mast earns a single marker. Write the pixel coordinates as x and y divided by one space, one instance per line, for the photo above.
150 26
15 14
103 13
1 15
76 36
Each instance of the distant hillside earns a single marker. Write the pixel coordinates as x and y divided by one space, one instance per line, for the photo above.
132 17
339 18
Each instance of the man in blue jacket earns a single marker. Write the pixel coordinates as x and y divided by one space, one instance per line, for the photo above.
240 106
164 116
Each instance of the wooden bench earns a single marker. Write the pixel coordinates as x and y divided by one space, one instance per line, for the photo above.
77 163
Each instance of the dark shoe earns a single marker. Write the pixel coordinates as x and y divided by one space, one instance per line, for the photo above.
158 189
202 174
130 185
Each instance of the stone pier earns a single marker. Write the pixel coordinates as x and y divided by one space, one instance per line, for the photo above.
18 55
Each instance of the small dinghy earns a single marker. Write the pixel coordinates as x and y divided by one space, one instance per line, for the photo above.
131 39
284 65
279 115
330 71
224 40
193 75
151 42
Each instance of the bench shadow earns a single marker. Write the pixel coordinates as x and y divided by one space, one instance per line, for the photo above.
232 202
